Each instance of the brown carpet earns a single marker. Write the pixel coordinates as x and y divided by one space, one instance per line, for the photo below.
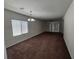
43 46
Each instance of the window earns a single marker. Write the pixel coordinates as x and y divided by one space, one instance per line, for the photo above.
24 26
19 27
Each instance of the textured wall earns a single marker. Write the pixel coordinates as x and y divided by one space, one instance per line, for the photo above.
69 29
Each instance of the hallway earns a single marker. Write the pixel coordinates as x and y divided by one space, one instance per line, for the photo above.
46 45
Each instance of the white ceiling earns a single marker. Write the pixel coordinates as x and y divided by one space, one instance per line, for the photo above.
45 9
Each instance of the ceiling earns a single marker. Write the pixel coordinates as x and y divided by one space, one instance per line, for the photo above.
43 9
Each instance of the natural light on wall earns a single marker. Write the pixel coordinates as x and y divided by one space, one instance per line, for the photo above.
19 27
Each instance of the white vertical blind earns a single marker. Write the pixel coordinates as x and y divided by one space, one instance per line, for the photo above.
24 27
19 27
16 27
54 26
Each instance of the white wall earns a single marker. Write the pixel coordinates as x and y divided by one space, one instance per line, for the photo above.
35 28
69 29
5 54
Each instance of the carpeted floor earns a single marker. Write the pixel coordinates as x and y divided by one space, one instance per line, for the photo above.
43 46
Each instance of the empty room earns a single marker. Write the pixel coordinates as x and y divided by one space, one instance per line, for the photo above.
39 29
